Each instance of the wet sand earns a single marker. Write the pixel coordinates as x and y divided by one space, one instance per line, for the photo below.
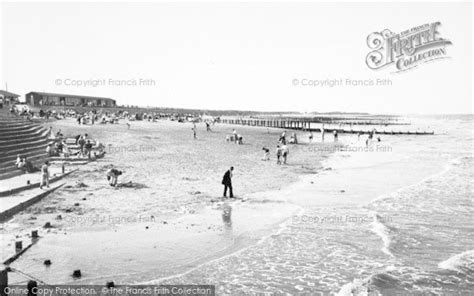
166 216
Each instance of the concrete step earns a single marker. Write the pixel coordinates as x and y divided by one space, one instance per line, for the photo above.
12 120
21 140
4 156
11 135
16 127
28 142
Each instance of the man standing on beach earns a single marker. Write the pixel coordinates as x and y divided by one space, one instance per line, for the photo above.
44 175
227 182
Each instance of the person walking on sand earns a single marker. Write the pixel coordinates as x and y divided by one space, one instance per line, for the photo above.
335 135
44 175
284 153
283 138
194 132
310 137
112 176
227 182
278 152
234 135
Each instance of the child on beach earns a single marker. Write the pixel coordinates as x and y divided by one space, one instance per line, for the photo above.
44 175
283 138
278 152
266 153
284 153
112 176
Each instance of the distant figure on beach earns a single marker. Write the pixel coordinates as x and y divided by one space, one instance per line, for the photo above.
284 153
88 149
112 176
266 153
322 133
208 127
194 132
234 135
310 137
49 150
282 139
240 139
51 133
335 135
278 154
293 139
81 143
27 166
44 175
227 182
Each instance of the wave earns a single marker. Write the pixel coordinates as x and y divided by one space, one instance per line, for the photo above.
452 164
463 262
383 232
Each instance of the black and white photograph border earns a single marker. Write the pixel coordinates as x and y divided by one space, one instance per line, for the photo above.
236 148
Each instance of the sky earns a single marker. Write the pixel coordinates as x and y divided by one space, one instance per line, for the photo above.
242 56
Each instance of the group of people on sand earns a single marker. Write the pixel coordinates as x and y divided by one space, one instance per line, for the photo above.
86 145
235 137
22 163
27 166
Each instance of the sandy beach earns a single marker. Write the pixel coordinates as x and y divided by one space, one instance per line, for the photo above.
167 204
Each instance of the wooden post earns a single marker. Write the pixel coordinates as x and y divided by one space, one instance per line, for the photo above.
3 282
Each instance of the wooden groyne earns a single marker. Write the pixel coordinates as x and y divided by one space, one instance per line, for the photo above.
278 123
305 124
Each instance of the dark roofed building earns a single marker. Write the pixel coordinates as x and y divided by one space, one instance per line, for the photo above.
8 98
51 99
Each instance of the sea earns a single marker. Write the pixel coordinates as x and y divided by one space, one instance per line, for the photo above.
393 217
